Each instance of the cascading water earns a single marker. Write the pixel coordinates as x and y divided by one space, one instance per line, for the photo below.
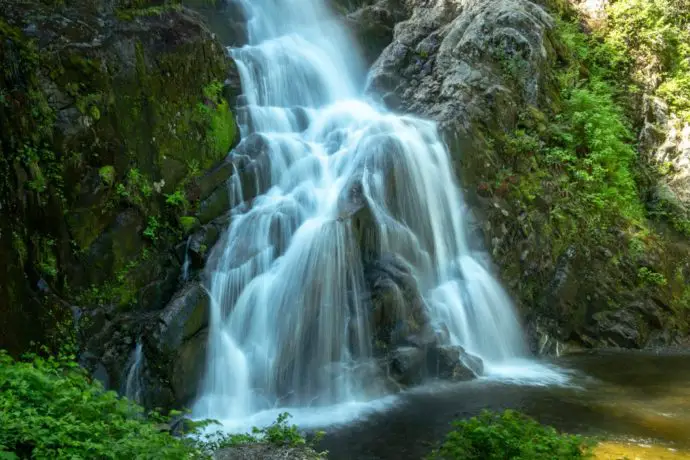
288 324
133 384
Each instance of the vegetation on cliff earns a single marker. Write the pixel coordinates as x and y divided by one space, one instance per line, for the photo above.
574 174
106 128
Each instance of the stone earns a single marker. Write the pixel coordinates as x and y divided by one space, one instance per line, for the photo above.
398 311
453 363
407 365
618 328
186 315
188 368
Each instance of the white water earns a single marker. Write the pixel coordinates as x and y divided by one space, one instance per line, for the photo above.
133 383
288 325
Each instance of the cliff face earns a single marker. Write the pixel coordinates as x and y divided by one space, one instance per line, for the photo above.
502 77
115 120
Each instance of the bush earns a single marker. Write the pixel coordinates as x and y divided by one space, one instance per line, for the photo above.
509 435
49 408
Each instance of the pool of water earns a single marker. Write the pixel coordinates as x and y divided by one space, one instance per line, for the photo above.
630 397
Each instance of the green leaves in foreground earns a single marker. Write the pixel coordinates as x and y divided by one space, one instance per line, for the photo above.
509 435
49 408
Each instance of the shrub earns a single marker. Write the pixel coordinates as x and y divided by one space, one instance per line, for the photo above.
279 433
49 408
509 435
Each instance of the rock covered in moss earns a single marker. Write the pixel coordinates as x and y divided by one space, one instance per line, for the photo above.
111 112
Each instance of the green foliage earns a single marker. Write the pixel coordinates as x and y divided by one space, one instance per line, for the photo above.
46 260
151 230
509 435
176 199
107 174
579 161
49 408
653 37
137 190
279 433
648 276
188 223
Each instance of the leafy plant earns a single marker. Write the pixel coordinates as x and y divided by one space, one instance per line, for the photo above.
648 276
151 230
49 408
509 435
176 199
279 433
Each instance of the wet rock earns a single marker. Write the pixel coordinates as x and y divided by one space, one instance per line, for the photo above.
398 311
186 315
407 365
188 368
372 25
453 363
617 328
447 61
213 206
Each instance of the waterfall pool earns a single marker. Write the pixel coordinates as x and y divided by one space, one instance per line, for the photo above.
638 401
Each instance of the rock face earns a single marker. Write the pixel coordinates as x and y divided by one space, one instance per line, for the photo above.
477 68
406 346
665 141
460 62
114 130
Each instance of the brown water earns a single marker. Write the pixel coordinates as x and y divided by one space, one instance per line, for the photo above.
640 401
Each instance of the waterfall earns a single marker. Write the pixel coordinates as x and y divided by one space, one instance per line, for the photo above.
187 262
288 324
133 384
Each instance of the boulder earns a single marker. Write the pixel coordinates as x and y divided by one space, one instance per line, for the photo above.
398 311
184 317
453 363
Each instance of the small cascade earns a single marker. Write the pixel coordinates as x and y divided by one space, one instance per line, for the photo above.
133 385
187 262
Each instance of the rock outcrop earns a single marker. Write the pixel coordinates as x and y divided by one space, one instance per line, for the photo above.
115 124
481 69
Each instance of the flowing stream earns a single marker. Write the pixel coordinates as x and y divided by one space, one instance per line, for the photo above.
288 323
133 384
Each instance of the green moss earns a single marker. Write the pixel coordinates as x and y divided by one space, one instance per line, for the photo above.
107 174
189 224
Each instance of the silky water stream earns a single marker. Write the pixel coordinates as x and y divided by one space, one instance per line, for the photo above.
289 330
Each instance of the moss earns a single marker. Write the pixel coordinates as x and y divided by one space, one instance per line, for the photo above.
100 188
107 174
189 224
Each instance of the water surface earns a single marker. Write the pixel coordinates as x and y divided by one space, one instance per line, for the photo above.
638 397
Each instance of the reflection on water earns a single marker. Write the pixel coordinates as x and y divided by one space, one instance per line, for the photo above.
636 451
629 397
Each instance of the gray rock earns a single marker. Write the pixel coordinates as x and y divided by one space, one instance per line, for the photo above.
618 328
186 315
453 363
466 63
